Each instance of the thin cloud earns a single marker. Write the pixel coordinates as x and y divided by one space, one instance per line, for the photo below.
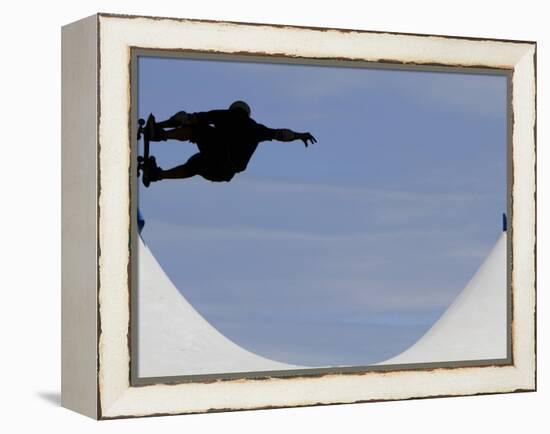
347 250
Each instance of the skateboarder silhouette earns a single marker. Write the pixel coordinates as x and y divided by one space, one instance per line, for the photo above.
226 140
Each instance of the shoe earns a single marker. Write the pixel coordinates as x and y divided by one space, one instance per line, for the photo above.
156 134
153 173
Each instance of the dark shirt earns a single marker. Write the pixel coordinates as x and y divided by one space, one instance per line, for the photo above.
238 133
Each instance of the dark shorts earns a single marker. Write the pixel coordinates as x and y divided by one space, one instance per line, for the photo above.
211 168
212 162
207 139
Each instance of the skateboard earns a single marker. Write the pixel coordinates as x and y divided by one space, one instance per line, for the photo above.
145 161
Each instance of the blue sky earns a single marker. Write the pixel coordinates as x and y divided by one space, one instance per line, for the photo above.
343 253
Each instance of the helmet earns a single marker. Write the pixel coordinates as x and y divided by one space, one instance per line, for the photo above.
240 105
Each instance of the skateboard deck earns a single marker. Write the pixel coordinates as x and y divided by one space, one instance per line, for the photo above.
146 160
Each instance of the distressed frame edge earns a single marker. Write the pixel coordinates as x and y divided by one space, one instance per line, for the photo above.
316 28
529 386
137 381
79 320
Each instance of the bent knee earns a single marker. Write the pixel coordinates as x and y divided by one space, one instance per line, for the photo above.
216 176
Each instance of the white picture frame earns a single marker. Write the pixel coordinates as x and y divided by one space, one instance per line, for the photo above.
97 157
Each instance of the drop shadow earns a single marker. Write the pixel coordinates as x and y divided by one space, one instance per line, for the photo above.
52 398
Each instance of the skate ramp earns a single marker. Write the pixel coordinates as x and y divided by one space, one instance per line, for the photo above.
174 339
474 326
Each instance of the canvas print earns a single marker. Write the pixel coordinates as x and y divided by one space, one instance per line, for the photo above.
295 217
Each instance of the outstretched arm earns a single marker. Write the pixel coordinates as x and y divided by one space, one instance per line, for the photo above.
286 135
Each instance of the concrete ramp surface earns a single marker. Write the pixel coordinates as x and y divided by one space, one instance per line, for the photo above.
174 339
474 326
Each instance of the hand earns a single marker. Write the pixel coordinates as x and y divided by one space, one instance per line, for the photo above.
305 137
180 118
